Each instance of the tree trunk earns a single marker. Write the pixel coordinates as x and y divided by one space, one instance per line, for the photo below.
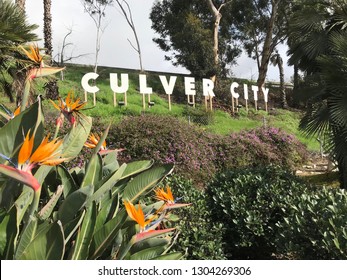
21 4
282 88
268 47
47 27
52 91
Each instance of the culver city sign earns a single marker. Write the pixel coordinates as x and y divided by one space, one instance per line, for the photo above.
119 84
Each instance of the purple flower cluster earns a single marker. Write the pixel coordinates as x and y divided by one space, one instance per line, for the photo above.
199 155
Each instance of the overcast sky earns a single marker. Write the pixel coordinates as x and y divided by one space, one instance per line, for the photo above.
115 49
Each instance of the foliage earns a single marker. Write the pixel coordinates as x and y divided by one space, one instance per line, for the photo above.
14 30
258 147
249 203
318 46
167 140
192 48
48 211
315 226
199 236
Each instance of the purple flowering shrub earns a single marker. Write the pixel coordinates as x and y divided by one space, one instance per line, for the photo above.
165 140
199 155
258 147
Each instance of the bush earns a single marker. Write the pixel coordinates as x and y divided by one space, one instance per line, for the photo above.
166 140
315 226
250 203
200 237
258 147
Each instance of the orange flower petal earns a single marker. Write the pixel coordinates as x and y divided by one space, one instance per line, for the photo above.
26 149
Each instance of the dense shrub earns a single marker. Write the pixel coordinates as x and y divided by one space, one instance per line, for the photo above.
269 213
200 237
166 140
250 203
258 147
197 154
315 226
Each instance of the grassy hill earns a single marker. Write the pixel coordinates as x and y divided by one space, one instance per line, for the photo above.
219 121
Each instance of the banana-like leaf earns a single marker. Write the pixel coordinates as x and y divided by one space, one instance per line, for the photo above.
47 245
148 253
85 235
47 210
149 243
8 233
22 203
108 211
73 204
108 183
141 237
67 181
26 237
93 172
145 181
11 134
75 139
101 141
110 162
71 227
104 237
170 256
136 167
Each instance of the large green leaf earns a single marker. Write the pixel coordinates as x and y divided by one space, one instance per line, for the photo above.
104 237
170 256
27 235
75 139
47 245
149 243
136 167
11 134
47 210
85 235
23 201
148 253
66 180
109 209
73 204
143 182
106 184
93 172
8 232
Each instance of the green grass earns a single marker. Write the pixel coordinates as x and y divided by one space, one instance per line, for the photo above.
222 122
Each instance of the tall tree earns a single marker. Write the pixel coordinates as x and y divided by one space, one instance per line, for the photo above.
277 60
319 47
261 26
129 18
96 10
187 32
47 27
51 86
216 12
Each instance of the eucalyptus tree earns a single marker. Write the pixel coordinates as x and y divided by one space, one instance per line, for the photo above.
126 11
261 26
96 9
195 35
318 32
